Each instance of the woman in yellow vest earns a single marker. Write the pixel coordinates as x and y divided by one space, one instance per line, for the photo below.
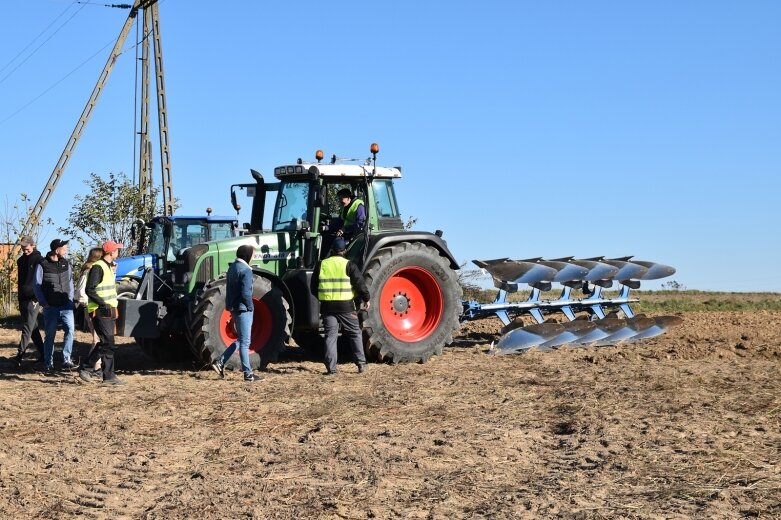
102 305
335 282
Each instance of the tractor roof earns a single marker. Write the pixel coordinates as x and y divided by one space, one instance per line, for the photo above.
209 218
337 170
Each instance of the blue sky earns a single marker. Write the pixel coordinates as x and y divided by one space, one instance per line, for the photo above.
524 129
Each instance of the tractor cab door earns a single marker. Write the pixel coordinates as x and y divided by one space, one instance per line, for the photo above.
331 214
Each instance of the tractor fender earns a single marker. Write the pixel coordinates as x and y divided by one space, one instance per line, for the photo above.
276 281
376 242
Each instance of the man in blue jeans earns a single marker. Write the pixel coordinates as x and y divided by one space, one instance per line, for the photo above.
238 301
53 287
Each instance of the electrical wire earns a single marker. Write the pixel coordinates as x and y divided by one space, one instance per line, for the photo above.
50 87
41 45
38 36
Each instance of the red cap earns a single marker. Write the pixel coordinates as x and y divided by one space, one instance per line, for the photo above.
111 246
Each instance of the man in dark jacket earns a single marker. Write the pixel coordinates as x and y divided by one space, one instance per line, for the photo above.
238 301
53 287
28 304
336 281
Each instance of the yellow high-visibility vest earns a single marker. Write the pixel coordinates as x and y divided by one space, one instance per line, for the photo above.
107 289
334 284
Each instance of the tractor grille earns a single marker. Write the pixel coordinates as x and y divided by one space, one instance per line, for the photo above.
205 271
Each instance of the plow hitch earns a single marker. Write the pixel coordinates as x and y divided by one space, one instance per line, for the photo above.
591 319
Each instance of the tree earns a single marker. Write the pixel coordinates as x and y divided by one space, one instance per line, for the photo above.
108 211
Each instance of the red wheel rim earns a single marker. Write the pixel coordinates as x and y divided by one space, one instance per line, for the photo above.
411 304
261 327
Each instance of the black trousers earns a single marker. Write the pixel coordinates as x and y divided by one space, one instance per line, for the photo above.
104 328
29 309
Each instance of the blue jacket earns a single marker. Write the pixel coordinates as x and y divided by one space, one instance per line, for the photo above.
238 296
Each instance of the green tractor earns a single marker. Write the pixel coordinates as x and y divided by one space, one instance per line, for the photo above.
415 294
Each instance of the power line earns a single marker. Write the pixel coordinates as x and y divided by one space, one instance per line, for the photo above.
41 45
38 36
50 87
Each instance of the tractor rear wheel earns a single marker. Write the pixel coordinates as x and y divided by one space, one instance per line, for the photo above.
212 329
415 303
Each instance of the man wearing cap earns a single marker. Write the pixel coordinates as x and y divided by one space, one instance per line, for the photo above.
352 218
336 281
53 287
102 305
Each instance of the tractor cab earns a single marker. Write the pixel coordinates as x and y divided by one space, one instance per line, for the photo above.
308 206
161 238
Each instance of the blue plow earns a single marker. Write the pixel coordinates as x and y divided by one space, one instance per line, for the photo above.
591 320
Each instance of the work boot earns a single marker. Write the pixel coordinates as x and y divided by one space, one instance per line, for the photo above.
17 359
361 368
86 375
113 381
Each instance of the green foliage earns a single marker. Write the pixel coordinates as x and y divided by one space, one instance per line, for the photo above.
108 211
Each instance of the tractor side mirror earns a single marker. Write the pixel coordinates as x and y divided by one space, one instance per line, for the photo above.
234 202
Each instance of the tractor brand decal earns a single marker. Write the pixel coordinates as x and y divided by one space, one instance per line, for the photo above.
279 255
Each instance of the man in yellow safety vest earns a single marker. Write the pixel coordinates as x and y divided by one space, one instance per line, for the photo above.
335 282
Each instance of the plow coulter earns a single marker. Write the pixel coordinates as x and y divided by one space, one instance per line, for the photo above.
592 319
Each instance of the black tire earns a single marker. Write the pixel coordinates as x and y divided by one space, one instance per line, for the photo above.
211 331
311 341
127 288
167 349
415 303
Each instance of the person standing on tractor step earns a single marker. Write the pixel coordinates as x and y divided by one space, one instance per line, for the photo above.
53 287
353 215
102 305
335 282
28 304
238 301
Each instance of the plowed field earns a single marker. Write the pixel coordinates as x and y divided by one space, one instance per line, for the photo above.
687 425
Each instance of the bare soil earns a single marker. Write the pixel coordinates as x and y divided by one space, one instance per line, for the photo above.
686 425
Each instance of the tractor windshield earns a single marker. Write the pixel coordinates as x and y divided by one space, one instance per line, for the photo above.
291 205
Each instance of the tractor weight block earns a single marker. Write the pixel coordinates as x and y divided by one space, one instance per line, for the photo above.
138 318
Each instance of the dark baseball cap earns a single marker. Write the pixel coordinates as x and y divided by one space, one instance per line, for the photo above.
57 243
339 244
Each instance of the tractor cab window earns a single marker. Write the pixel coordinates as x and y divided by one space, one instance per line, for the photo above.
220 230
385 199
291 207
156 239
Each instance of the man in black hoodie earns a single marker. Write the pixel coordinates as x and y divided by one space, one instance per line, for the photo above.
28 304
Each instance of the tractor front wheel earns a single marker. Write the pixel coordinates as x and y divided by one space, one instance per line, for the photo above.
415 303
127 288
167 349
212 328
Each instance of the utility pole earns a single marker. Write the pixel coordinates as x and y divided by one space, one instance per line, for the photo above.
151 26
